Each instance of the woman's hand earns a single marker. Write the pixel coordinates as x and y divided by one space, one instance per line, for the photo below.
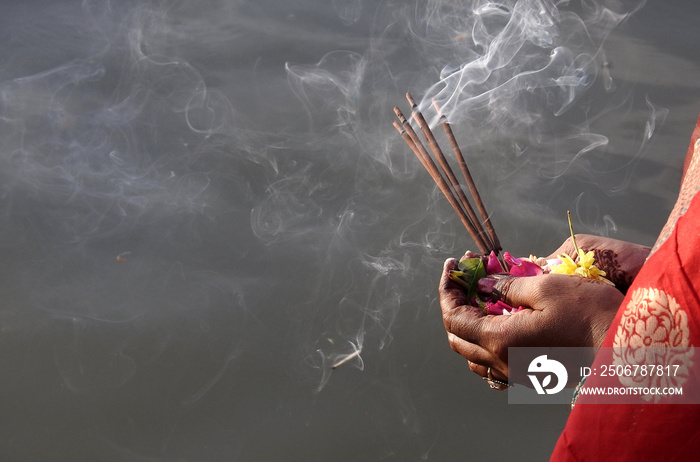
566 311
620 260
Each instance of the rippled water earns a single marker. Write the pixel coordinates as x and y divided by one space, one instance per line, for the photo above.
204 206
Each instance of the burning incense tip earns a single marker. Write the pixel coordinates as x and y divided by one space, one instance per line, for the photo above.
122 256
347 358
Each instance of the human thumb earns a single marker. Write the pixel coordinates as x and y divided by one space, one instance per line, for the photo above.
514 291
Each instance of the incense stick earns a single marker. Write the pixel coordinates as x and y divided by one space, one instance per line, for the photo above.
347 358
470 181
432 142
411 138
487 241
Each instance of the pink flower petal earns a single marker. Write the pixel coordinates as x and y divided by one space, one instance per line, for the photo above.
550 263
521 267
510 259
497 307
492 266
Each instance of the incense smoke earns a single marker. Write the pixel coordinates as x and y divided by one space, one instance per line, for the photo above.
527 85
204 207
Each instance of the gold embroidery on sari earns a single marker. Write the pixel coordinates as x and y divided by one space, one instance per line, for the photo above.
653 331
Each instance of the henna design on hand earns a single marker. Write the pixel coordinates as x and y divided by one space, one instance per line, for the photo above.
607 260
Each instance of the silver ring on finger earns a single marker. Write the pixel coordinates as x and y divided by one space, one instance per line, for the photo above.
495 384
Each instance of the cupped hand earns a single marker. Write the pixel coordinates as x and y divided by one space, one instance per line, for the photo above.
566 311
620 260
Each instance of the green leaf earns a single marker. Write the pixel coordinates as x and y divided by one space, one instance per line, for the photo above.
472 270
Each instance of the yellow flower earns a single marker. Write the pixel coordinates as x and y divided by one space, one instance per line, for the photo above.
585 267
567 265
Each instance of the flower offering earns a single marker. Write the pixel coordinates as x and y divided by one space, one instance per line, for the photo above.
474 268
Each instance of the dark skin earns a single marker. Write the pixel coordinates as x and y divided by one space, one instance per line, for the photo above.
620 260
566 311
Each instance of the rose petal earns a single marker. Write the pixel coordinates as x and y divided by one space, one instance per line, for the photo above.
494 309
493 266
550 263
510 259
521 267
498 307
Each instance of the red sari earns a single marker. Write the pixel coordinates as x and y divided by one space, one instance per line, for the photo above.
661 307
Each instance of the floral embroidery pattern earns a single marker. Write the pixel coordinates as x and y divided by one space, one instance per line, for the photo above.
653 331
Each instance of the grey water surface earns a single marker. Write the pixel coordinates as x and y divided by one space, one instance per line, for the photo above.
204 207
